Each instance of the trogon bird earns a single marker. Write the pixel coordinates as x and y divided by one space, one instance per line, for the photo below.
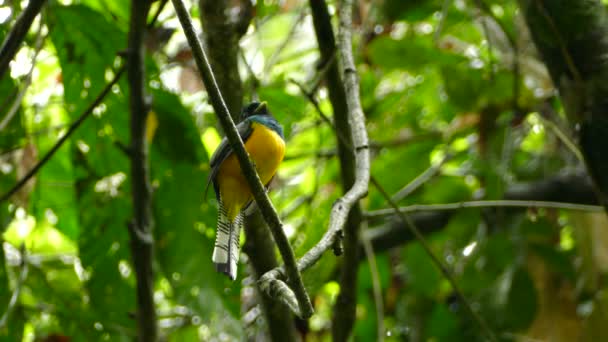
264 142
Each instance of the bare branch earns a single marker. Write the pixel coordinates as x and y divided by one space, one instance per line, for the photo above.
304 306
422 178
15 37
64 137
405 219
574 187
484 204
344 312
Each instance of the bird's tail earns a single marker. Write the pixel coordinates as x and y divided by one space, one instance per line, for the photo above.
226 251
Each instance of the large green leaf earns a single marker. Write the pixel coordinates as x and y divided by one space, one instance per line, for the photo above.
515 299
105 256
423 277
87 45
185 220
443 325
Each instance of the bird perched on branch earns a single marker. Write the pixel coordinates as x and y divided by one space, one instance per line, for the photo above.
264 142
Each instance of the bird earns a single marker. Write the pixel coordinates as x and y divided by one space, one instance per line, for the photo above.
265 143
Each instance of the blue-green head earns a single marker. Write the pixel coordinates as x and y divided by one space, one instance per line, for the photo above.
258 112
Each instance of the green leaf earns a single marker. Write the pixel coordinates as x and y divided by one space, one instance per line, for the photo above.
410 10
185 221
442 325
106 258
462 84
423 277
411 53
57 201
286 108
516 299
87 45
445 189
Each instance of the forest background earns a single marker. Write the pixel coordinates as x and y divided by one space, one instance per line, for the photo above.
469 137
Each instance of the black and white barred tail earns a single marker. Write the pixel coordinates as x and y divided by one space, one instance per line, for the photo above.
226 251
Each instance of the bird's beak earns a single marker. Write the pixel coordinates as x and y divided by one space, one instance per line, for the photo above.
261 108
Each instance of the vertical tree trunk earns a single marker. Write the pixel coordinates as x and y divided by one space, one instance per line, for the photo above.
344 310
572 38
140 229
260 250
221 40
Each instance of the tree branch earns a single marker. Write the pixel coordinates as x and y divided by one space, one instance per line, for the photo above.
484 204
349 125
344 310
15 37
260 250
222 46
64 137
405 219
304 307
26 82
422 178
140 230
574 187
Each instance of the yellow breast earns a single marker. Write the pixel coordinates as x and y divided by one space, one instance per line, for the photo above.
266 149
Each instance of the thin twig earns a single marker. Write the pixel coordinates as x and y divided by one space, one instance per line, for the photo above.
569 61
15 37
566 139
445 7
161 6
295 205
486 32
406 220
484 204
26 83
272 60
301 303
64 137
422 178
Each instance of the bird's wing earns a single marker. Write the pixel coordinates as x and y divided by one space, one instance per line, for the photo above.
223 151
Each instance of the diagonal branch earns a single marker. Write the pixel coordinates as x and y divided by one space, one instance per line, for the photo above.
350 131
64 137
303 306
87 112
406 220
15 37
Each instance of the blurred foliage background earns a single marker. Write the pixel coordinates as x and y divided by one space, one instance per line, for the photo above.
457 103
